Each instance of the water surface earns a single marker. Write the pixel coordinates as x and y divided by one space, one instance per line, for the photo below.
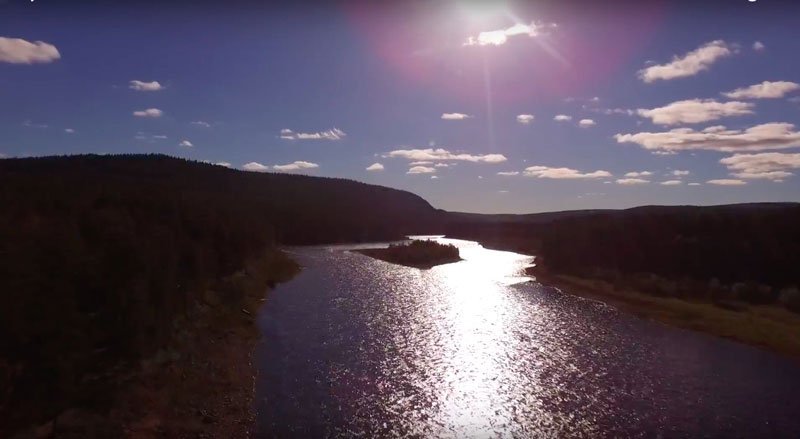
359 347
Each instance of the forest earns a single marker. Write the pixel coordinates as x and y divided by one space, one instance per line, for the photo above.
101 255
417 253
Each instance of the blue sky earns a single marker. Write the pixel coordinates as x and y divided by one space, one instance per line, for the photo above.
703 95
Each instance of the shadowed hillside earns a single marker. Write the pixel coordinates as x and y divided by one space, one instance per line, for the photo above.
100 256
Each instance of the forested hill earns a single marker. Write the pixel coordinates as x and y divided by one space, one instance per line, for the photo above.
101 255
300 209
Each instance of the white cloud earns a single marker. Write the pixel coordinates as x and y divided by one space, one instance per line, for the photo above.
159 136
455 116
69 130
422 163
638 174
442 165
421 170
679 173
200 123
30 124
434 177
223 164
775 135
501 36
758 46
764 90
525 119
610 111
185 144
332 134
19 51
632 181
769 165
695 111
694 184
440 154
508 173
145 86
689 64
295 166
562 118
255 167
726 182
671 183
586 123
150 112
562 173
375 167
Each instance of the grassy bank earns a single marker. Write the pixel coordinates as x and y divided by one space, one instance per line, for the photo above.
767 326
202 383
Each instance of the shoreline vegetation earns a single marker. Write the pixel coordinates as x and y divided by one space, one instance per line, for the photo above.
767 326
417 254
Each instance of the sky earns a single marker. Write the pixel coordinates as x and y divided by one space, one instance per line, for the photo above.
477 106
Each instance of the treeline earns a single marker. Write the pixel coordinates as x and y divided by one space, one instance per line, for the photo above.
99 255
417 253
740 252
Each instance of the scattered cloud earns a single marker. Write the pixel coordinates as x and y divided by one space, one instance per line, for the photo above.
501 36
421 170
695 111
69 130
455 116
145 86
632 181
508 173
442 165
149 137
525 119
434 177
562 173
758 46
150 112
638 174
689 64
694 184
562 118
295 166
439 154
19 51
726 182
422 163
223 164
332 134
769 165
375 167
185 144
679 173
775 135
200 123
610 111
255 167
671 183
764 90
30 124
586 123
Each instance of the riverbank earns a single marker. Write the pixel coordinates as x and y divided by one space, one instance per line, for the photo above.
766 326
201 385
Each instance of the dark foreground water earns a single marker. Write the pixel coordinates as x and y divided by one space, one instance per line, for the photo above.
356 347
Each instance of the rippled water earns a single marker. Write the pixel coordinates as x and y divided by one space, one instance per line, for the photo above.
359 347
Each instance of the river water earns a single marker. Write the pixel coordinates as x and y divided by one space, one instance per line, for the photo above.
357 347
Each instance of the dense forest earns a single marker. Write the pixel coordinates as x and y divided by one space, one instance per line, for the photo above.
746 252
99 255
417 253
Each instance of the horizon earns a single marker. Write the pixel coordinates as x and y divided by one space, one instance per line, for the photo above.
477 107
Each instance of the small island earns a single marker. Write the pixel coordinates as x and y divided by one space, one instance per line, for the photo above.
418 254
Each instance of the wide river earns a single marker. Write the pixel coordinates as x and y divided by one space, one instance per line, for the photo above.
357 347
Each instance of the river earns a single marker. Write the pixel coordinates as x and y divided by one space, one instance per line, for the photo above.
357 347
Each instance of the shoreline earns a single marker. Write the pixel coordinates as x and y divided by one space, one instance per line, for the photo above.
767 327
